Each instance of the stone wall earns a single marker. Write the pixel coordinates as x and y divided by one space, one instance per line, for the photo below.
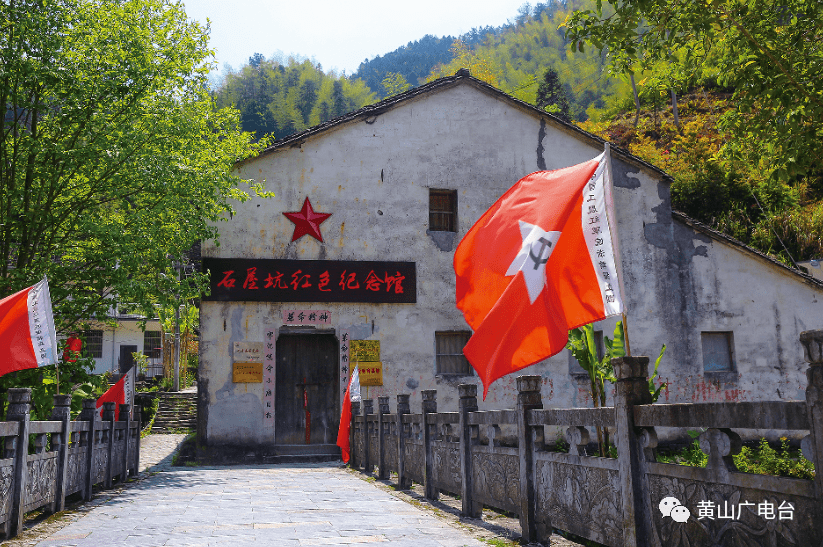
69 456
626 501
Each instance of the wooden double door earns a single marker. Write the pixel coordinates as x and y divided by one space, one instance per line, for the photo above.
306 403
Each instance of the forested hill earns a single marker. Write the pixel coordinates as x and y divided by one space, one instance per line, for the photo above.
414 62
279 97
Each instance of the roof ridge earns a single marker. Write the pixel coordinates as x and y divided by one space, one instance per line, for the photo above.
461 75
717 234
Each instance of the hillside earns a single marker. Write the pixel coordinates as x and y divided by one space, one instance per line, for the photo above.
783 219
513 57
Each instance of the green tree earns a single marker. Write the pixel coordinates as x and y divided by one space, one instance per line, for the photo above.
768 51
280 97
551 96
113 160
394 84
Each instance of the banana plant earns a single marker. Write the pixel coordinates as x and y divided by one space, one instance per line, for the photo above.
655 391
582 345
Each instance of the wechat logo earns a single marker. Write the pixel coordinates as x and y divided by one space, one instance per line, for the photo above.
671 507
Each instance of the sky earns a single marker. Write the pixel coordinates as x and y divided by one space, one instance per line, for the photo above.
337 34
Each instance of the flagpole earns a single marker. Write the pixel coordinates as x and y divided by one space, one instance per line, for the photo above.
608 152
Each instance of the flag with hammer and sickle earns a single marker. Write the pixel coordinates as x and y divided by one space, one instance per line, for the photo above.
539 262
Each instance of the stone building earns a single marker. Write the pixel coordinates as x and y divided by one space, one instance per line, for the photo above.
357 245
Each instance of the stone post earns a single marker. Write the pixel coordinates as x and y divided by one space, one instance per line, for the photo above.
123 413
528 398
467 403
632 389
61 411
368 409
108 416
18 411
382 410
812 445
403 407
89 414
354 457
429 407
138 417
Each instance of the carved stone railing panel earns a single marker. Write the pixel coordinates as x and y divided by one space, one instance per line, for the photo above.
497 479
373 444
390 447
446 466
75 475
581 499
357 441
414 460
101 461
41 480
117 463
6 487
755 515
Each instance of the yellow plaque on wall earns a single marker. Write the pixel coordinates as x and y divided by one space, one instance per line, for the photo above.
371 373
364 350
247 373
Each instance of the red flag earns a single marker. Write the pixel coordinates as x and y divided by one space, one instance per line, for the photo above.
74 346
352 394
119 393
539 262
27 337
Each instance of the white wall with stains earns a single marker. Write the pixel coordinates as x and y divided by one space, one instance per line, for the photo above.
373 175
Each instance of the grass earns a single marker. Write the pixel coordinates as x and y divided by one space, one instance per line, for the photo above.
762 459
497 542
155 404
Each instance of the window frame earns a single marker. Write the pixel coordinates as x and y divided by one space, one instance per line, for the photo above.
147 348
468 370
719 374
88 336
450 212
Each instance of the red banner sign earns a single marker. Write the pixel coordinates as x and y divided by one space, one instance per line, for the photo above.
274 280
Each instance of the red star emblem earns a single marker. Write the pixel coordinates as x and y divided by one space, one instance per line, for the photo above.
306 221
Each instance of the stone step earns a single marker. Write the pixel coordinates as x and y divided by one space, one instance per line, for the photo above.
176 411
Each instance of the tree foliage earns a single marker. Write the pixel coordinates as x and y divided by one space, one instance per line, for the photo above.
279 98
515 58
394 84
551 96
413 62
767 51
113 159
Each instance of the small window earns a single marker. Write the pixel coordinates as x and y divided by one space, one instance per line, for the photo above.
574 366
443 210
94 343
717 351
151 344
449 353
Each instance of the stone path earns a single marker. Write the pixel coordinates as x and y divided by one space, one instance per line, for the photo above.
157 451
278 505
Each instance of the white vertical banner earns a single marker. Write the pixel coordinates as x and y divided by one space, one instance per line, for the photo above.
600 232
41 324
128 389
269 379
345 365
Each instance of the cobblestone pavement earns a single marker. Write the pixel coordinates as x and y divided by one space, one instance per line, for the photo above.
279 505
157 451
